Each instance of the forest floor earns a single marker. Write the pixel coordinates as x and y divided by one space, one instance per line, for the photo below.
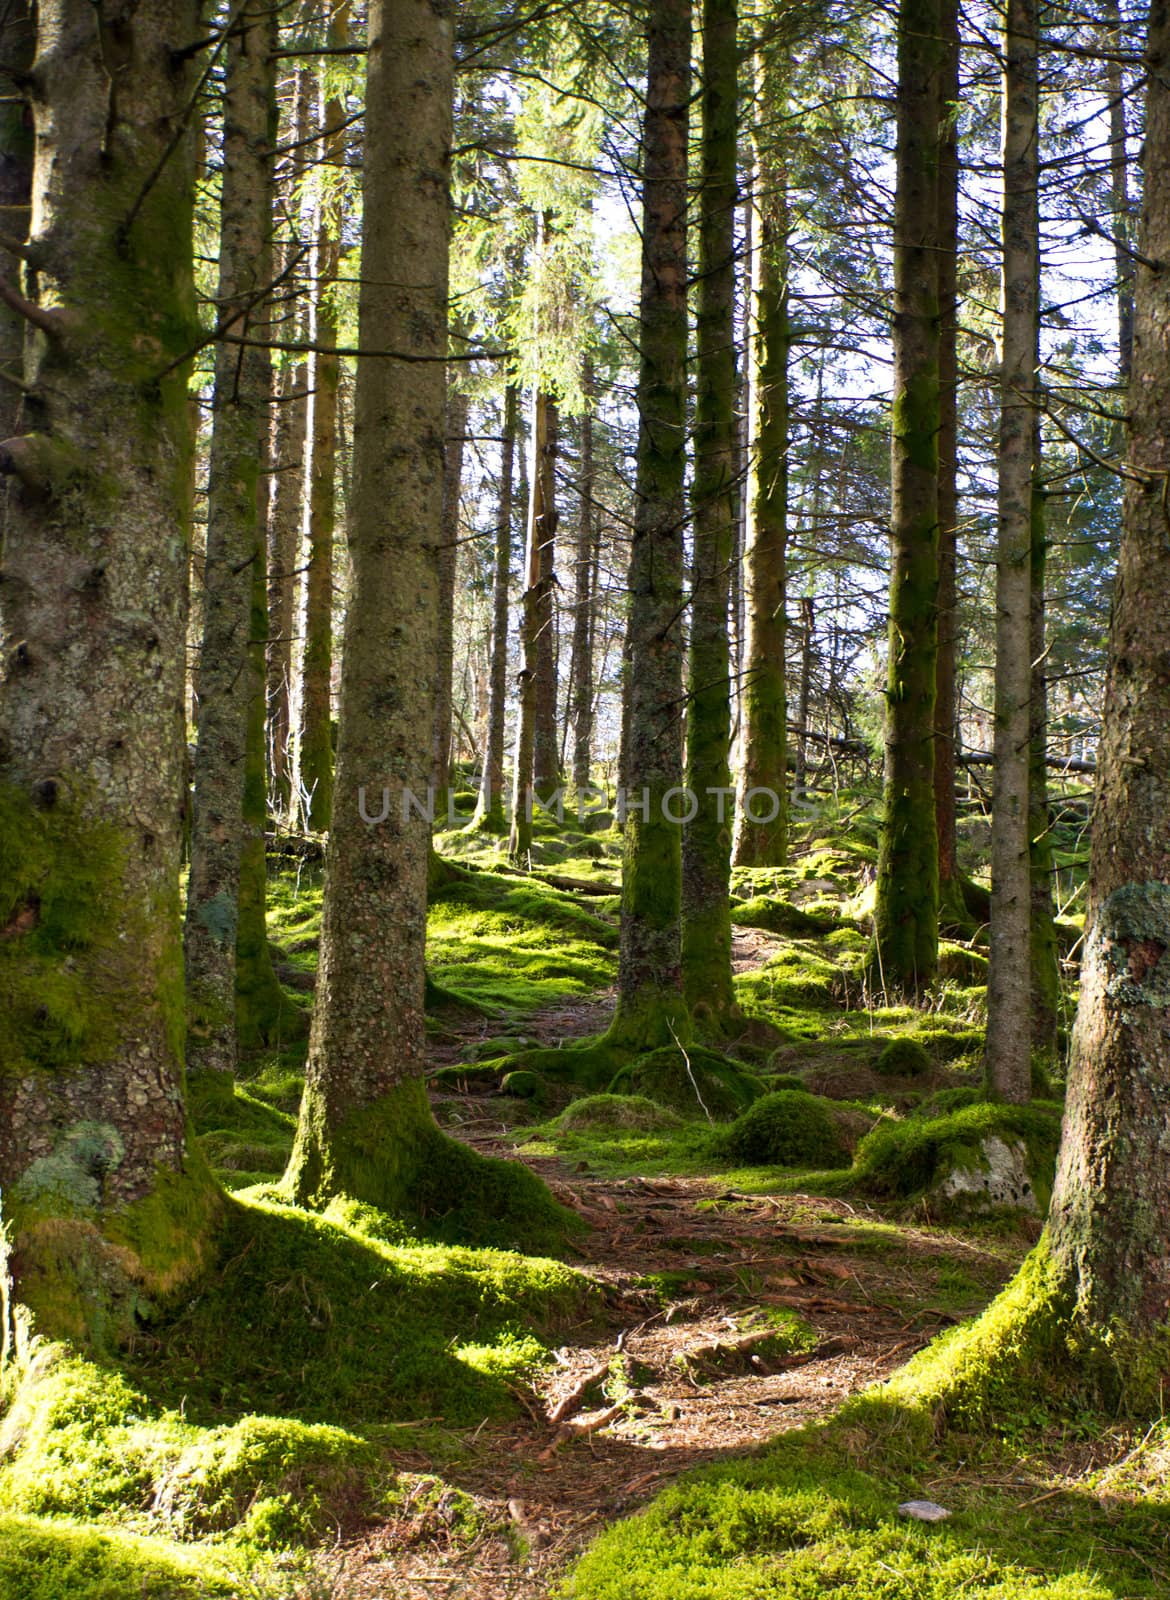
686 1370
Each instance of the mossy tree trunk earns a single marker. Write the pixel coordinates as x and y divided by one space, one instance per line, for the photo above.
1007 1059
236 543
706 844
1110 1214
953 913
315 734
808 622
650 1003
584 598
489 811
764 738
448 566
364 1108
906 907
532 777
102 1200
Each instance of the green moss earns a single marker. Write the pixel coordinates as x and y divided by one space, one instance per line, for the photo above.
778 916
621 1111
788 1128
391 1155
904 1159
960 965
903 1058
56 1560
326 1320
695 1082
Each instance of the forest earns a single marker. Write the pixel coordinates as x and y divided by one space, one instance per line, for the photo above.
584 799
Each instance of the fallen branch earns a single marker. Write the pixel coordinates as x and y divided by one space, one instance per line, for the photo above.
582 1428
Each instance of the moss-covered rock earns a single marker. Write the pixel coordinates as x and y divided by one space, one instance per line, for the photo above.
961 965
788 1128
632 1112
778 916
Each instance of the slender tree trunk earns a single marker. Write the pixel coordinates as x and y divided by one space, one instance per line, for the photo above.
489 811
584 600
532 778
804 691
546 766
906 907
448 565
1042 930
1007 1061
102 1203
315 736
953 912
706 850
364 1119
1110 1214
650 1003
235 547
289 434
764 738
284 526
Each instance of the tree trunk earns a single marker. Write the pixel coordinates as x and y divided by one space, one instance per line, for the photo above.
235 546
1041 867
706 847
650 1004
364 1120
804 692
584 599
16 172
1007 1061
764 736
289 433
489 811
315 735
906 908
546 765
456 429
953 912
102 1203
531 776
1110 1214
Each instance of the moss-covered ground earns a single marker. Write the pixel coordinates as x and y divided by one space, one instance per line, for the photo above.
768 1225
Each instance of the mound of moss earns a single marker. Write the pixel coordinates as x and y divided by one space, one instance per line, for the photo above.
320 1318
42 1559
903 1058
960 965
694 1083
778 916
788 1128
633 1112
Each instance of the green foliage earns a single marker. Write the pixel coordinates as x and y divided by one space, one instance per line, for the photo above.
62 1560
788 1128
903 1058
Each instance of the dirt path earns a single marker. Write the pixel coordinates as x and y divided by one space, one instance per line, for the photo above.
683 1371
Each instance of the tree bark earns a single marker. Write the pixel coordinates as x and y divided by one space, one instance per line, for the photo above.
364 1117
764 737
1110 1214
650 1003
706 845
315 735
289 434
489 811
456 429
584 599
1045 962
235 546
1007 1059
16 172
906 906
534 772
103 1204
1122 210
